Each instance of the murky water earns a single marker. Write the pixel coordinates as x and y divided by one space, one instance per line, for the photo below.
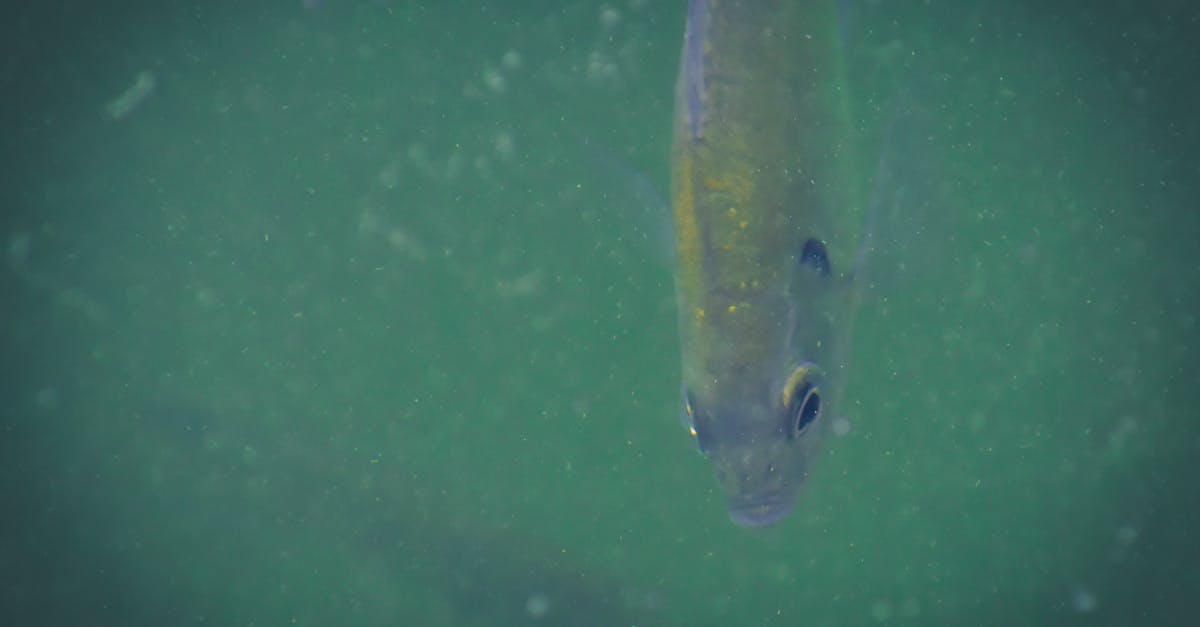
354 313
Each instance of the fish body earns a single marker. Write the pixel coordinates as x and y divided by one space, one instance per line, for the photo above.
761 219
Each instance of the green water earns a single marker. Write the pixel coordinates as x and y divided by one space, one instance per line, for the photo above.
340 323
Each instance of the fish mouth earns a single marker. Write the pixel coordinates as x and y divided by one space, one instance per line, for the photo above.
760 513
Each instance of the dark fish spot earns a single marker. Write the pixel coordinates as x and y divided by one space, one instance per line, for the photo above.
815 256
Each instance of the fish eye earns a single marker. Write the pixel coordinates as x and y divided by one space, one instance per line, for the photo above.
809 409
802 398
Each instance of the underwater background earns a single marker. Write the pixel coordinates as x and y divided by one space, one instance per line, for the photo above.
358 312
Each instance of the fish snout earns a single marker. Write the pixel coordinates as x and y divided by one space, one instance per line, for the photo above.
760 513
760 483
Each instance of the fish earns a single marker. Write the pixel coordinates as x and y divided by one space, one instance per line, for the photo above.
768 226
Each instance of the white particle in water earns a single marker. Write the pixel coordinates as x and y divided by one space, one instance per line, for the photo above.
1126 535
132 98
47 399
494 80
609 17
1083 601
505 146
881 610
538 605
511 60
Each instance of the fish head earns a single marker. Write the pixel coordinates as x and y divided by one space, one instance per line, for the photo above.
759 444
